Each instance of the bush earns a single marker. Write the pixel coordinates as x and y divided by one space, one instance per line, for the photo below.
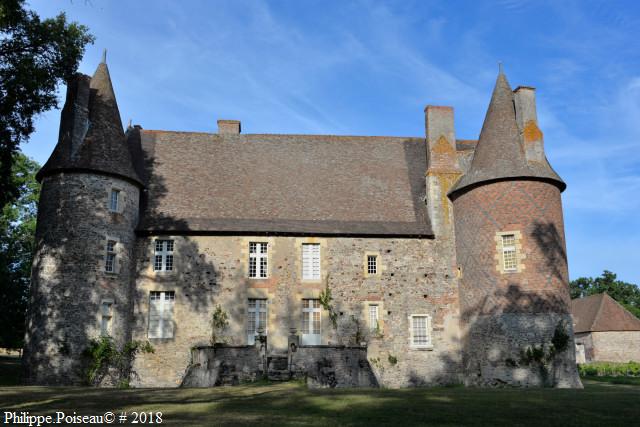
609 369
104 359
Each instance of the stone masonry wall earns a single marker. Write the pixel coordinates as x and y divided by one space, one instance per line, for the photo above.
616 346
69 281
504 312
415 278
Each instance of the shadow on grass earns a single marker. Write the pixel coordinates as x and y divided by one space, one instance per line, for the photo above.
294 404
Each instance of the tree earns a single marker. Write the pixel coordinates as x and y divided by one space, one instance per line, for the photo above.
17 238
627 294
35 57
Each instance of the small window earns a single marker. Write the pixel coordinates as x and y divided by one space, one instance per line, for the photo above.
373 317
257 319
106 317
110 260
372 264
311 261
163 260
420 325
161 314
114 201
509 257
258 260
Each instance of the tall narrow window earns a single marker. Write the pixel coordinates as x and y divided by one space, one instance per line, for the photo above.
107 315
372 264
373 317
257 319
114 201
161 314
258 260
420 325
509 258
110 260
311 261
163 255
311 322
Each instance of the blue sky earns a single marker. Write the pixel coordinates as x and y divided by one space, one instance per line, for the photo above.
369 68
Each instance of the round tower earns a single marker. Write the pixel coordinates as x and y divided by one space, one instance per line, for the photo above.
83 269
510 247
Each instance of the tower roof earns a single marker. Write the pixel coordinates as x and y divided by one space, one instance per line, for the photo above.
500 152
98 145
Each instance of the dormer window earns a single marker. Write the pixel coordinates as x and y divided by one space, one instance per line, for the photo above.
114 201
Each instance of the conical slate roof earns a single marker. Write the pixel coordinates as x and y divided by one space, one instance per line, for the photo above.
103 148
500 151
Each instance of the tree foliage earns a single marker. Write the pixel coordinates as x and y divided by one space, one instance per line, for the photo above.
627 294
35 56
17 231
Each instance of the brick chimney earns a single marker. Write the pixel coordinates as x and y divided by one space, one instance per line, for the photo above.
229 127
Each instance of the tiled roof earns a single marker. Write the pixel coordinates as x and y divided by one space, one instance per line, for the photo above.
499 153
600 313
313 184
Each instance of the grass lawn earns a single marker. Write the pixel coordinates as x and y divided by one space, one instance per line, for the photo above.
599 404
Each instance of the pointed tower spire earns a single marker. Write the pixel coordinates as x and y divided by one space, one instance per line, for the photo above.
499 153
104 56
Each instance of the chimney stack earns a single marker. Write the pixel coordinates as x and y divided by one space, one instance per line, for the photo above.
527 120
229 127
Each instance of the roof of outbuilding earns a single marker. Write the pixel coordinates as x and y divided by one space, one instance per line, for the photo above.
316 184
103 148
499 153
600 313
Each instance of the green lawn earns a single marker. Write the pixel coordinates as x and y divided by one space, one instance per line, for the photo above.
599 404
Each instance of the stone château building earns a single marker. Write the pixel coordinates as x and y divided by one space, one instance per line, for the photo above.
445 258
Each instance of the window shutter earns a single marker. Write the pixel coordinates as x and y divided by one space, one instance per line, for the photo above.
155 309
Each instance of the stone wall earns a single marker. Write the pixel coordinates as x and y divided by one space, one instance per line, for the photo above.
69 281
503 312
220 365
612 346
416 276
330 366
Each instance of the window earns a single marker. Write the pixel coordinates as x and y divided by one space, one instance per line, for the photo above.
509 257
420 325
310 322
114 200
373 317
110 260
372 264
257 319
310 261
257 260
161 314
163 255
107 314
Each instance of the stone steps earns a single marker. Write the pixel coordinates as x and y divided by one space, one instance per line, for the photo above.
278 368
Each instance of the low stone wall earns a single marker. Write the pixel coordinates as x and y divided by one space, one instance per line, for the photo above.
331 366
321 366
219 365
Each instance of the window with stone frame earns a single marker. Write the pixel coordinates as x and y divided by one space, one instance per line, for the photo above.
420 331
114 201
161 308
310 261
372 264
509 254
258 260
256 319
374 319
163 255
110 257
106 312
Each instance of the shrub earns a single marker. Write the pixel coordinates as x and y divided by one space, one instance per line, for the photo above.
104 359
609 369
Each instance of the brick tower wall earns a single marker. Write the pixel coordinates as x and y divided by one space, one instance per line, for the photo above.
69 282
503 313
